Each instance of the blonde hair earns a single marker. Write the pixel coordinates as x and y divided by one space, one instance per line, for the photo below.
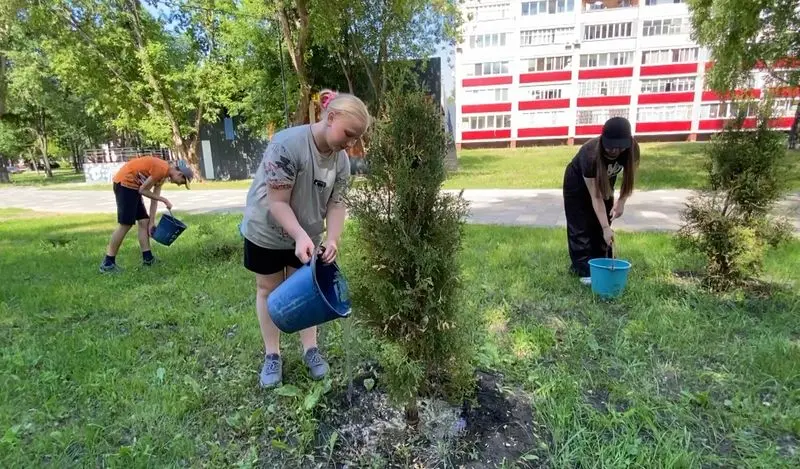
344 103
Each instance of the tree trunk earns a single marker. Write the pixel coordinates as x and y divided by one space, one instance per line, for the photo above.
412 413
43 142
794 129
297 52
178 142
4 176
3 86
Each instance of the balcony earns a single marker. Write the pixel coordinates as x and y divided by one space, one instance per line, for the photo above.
591 6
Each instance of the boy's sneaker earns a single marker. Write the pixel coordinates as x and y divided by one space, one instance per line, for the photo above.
109 268
149 262
586 280
272 371
317 366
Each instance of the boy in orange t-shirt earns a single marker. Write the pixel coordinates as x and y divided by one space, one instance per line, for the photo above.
133 180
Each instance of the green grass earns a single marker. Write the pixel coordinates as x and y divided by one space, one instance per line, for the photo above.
62 178
663 166
158 367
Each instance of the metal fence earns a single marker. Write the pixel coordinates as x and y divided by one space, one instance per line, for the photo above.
122 154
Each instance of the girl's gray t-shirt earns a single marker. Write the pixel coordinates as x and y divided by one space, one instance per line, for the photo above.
292 160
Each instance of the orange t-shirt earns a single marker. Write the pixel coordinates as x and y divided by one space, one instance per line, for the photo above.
133 173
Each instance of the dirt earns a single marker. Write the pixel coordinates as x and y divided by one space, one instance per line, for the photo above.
496 428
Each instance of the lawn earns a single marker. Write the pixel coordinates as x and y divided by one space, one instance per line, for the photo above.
663 166
158 367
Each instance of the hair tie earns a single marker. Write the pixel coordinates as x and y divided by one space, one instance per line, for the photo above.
326 99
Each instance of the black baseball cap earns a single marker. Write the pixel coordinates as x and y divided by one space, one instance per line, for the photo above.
616 133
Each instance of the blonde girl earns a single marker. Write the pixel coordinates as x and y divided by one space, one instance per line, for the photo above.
296 197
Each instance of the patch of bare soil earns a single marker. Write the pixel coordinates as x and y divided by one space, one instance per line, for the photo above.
497 427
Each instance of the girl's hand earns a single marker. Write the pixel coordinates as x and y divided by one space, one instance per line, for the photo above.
608 235
304 248
617 210
329 251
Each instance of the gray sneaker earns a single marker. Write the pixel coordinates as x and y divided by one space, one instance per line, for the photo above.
272 371
317 366
110 268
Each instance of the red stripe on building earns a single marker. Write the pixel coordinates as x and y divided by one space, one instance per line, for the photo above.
493 107
661 98
785 92
714 96
485 81
605 73
543 132
544 104
545 76
485 134
669 126
668 69
604 101
589 129
749 123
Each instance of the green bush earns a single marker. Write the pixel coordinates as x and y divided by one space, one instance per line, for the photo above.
731 224
406 284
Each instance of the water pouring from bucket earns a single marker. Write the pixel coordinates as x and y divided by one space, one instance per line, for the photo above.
315 294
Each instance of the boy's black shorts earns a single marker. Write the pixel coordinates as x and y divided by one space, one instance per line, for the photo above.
130 206
268 261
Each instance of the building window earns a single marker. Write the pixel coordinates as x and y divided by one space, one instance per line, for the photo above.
726 110
596 32
487 122
662 2
615 87
677 112
487 68
670 56
545 118
547 64
481 13
600 116
230 134
481 41
538 37
668 85
547 7
543 92
606 59
666 27
486 95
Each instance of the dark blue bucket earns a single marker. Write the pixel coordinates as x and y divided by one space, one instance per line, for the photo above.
315 294
168 229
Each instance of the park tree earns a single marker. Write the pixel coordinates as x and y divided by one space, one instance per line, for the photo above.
407 283
746 34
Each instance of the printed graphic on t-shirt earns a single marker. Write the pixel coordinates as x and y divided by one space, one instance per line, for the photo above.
614 169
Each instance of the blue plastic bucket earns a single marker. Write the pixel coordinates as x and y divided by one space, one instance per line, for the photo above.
315 294
609 276
168 229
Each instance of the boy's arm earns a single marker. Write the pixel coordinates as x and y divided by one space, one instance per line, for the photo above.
145 191
334 220
154 206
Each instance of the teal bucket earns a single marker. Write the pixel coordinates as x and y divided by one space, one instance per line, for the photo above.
315 294
609 276
168 230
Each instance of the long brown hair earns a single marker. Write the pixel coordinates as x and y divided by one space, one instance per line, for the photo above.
603 182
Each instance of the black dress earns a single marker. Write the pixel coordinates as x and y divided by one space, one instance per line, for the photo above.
584 232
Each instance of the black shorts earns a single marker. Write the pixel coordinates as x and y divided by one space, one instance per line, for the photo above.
268 261
130 206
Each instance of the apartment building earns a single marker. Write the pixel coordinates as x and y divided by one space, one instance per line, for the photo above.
558 69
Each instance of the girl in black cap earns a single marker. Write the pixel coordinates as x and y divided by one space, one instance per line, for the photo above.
589 192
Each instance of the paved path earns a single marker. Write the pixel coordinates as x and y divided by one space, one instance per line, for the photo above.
646 210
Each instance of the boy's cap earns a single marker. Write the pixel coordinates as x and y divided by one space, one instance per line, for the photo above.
617 133
187 172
